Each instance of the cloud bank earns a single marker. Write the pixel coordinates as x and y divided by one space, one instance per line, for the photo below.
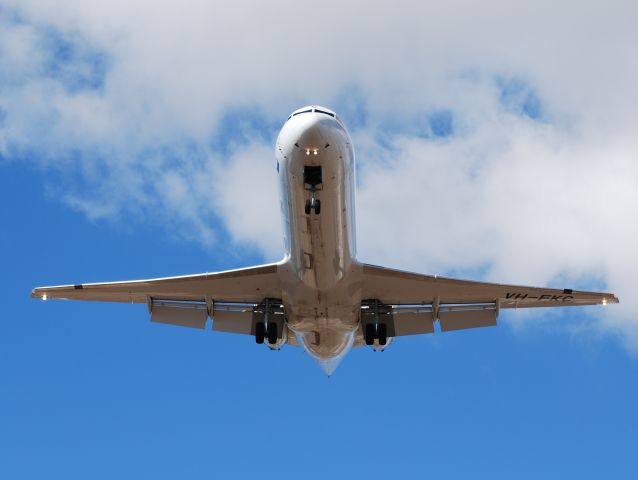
493 141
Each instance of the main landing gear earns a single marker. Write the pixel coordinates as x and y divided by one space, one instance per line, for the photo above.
312 180
263 331
376 331
269 323
378 323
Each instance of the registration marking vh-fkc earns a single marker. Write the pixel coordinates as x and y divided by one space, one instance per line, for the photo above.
319 295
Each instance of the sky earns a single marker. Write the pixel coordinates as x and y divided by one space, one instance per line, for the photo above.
493 142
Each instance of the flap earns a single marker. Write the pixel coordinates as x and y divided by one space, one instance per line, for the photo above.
411 323
233 321
181 314
459 320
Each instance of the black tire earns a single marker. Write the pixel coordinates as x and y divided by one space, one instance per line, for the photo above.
308 207
260 332
382 333
369 333
317 207
272 333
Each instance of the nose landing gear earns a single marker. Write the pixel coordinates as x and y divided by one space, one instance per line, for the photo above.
313 203
312 181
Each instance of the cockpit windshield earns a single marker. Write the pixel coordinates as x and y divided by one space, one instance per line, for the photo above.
315 109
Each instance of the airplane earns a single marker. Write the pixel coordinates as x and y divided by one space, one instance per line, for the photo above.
319 295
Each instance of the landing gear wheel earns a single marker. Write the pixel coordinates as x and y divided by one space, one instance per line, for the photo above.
382 333
370 334
260 332
317 207
308 207
272 333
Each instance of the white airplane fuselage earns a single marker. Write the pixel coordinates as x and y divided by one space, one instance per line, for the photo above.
321 277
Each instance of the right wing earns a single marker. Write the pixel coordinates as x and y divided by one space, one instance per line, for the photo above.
419 300
228 296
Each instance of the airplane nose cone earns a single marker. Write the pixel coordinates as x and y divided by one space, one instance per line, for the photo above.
312 131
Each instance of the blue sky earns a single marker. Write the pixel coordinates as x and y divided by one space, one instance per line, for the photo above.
97 390
138 142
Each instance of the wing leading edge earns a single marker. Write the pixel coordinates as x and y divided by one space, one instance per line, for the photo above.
250 285
230 297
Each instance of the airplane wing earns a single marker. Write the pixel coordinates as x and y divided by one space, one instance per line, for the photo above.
229 296
419 300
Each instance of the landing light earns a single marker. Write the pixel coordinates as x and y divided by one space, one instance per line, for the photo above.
315 151
44 297
604 301
307 151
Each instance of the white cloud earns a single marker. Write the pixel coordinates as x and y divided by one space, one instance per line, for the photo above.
527 205
245 192
140 91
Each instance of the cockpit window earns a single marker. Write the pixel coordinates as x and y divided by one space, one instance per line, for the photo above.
324 112
315 110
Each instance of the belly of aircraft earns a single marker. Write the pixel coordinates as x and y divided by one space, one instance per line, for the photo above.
321 280
325 323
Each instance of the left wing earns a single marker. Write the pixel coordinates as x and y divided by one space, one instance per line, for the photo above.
228 296
419 300
243 285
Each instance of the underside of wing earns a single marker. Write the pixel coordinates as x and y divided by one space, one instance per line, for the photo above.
251 284
231 297
417 301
